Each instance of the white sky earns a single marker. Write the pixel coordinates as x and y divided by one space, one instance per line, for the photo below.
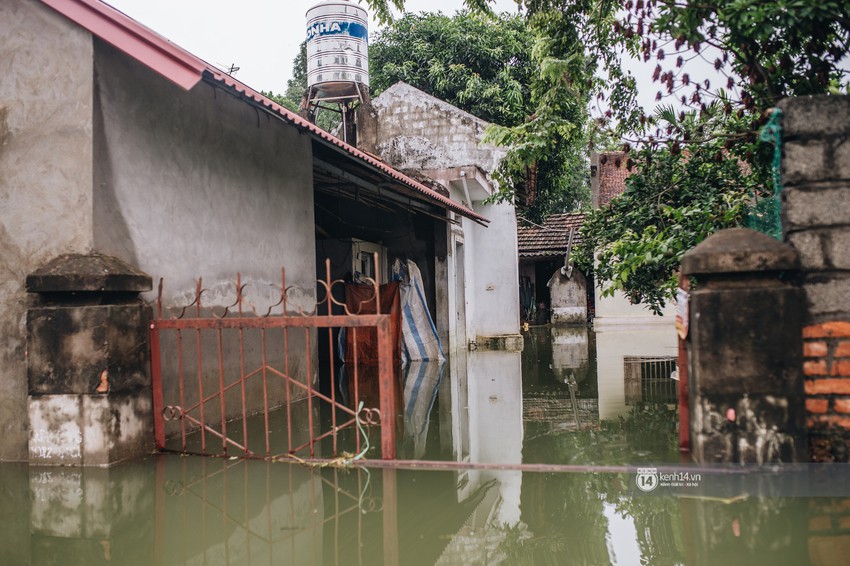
261 37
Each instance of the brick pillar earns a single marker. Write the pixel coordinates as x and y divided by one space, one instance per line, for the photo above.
816 221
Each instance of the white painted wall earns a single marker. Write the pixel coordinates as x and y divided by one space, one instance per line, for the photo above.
612 347
616 311
492 272
45 177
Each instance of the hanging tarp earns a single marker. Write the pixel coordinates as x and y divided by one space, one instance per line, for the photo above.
419 335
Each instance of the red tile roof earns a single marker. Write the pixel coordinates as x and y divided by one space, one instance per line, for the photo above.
550 238
187 70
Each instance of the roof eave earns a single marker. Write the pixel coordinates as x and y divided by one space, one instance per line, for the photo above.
186 70
126 34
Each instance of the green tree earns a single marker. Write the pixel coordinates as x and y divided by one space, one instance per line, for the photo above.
764 50
296 88
704 168
479 64
490 66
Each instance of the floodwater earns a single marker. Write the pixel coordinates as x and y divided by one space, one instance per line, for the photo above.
600 406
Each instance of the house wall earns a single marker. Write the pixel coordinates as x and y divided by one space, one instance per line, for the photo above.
415 131
45 177
493 273
816 222
98 152
612 348
199 184
617 311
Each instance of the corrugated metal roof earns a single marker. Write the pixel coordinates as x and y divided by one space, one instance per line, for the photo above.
186 70
550 238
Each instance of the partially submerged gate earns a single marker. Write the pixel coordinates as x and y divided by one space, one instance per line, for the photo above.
238 383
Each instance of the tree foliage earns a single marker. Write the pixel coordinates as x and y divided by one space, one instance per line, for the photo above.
699 167
673 200
296 88
479 64
545 170
704 168
490 66
696 168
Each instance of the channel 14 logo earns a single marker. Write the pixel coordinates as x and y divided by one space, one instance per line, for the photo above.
646 479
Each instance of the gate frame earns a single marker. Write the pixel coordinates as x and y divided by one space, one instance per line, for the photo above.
381 322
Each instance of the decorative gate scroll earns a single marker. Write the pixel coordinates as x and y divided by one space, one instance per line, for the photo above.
232 382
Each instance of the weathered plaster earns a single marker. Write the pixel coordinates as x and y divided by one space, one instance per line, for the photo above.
569 298
198 183
45 176
415 131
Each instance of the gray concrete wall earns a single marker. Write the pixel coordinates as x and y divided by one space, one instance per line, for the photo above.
417 131
98 152
45 177
199 184
815 203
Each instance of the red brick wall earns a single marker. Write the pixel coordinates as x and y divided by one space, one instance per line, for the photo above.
612 175
816 222
826 365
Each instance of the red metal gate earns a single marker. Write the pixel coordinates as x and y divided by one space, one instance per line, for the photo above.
223 380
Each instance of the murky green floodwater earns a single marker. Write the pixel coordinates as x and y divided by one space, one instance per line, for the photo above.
570 407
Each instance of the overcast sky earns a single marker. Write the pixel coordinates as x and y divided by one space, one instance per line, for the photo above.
261 37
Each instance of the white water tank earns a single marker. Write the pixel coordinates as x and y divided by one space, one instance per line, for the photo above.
337 49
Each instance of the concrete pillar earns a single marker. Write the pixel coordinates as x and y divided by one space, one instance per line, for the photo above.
568 298
745 379
88 363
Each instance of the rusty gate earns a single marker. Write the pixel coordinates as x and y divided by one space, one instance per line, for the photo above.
230 381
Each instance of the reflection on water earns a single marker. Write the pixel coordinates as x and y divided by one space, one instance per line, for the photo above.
170 510
566 400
